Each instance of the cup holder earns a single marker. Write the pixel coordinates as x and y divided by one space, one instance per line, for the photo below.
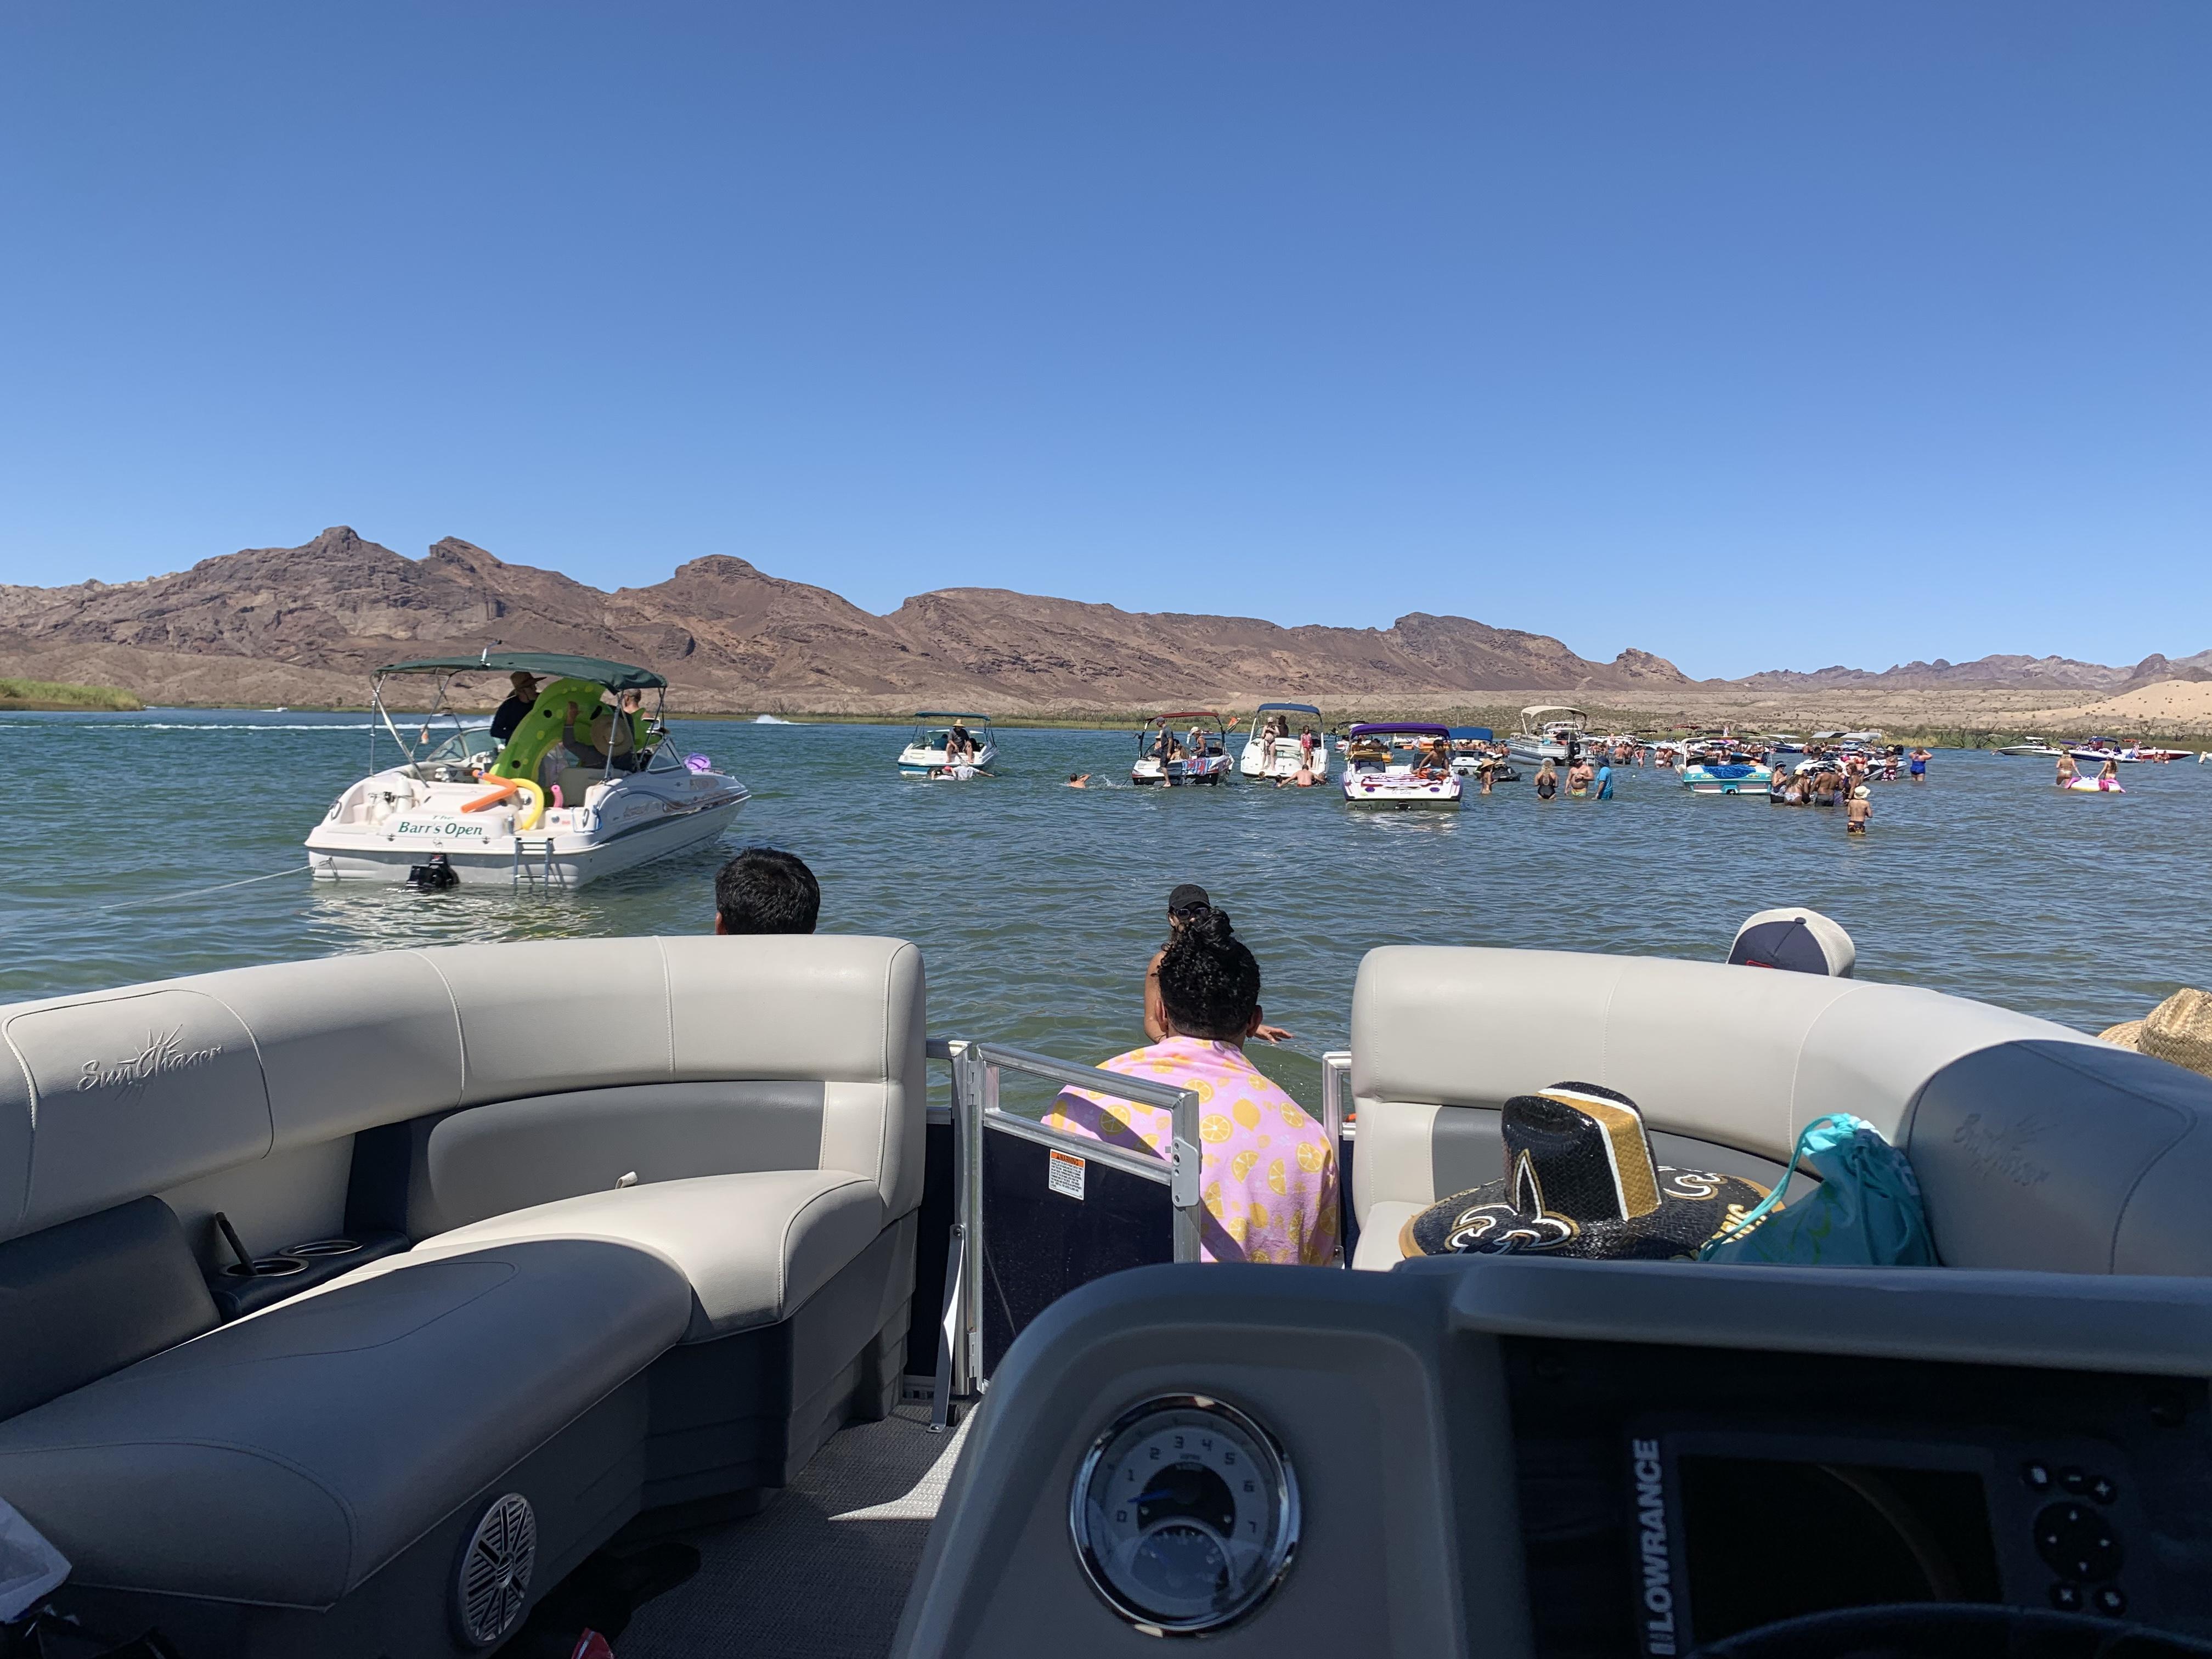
316 1248
266 1267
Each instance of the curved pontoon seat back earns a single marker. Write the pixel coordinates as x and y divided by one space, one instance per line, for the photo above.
2035 1146
739 1119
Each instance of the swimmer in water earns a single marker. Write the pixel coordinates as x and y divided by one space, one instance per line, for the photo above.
1548 781
1078 780
2067 770
1860 812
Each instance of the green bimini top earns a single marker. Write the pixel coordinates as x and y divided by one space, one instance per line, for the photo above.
555 665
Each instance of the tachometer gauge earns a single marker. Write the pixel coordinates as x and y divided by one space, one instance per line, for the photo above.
1185 1514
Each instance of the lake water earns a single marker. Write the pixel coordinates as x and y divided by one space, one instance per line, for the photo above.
1036 906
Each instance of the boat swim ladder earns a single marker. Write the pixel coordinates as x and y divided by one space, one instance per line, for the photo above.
533 851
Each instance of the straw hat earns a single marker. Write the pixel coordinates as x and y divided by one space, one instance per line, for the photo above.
2179 1029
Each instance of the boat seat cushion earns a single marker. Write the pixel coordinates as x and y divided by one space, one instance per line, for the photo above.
1378 1250
755 1247
285 1457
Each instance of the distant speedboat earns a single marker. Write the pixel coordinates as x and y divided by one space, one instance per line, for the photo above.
2032 747
1170 758
471 811
930 751
772 720
1273 749
1726 777
1374 775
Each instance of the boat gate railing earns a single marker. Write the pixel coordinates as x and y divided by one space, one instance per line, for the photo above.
1080 1208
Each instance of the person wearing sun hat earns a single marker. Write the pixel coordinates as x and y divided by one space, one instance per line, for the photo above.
1579 1181
2179 1029
518 703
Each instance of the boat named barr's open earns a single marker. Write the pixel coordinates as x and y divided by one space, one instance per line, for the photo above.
586 785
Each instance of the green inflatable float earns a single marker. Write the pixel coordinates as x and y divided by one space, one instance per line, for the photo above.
545 724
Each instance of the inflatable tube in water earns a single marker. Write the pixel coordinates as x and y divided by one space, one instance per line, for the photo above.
2093 786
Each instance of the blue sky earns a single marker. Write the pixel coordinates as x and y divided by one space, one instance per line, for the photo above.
1754 335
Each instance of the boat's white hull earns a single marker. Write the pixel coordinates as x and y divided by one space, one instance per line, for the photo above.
915 762
1727 779
1181 774
1536 750
387 825
1402 793
1257 762
567 861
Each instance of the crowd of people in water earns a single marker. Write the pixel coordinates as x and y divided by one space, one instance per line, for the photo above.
1268 1178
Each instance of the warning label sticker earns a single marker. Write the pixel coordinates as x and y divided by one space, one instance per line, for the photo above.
1064 1174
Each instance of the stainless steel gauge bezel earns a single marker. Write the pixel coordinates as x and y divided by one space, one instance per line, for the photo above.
1278 1557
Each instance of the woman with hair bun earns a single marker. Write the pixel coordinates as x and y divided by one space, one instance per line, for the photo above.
1269 1180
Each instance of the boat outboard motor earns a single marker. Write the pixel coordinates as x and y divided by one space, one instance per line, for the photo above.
1801 940
435 876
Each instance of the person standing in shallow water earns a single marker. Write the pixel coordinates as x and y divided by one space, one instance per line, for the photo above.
1269 1178
1548 781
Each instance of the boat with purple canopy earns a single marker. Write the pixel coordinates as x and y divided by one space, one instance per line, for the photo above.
1400 765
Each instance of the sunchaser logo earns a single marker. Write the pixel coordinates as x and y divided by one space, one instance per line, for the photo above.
1657 1596
165 1051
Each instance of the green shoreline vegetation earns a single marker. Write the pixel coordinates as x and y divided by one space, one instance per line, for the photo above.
59 696
50 696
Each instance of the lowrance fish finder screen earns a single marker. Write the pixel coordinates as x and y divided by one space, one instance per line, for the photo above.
1766 1539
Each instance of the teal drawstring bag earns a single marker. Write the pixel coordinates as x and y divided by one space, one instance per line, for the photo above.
1867 1213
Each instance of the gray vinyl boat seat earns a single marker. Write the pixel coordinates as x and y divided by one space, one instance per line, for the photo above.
2035 1146
646 1210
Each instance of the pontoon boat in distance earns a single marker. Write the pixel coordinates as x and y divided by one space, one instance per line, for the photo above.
1541 739
1170 752
530 812
1276 752
1374 777
927 752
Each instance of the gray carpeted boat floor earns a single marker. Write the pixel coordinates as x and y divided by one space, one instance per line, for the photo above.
823 1571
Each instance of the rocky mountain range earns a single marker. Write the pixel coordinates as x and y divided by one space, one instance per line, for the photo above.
306 624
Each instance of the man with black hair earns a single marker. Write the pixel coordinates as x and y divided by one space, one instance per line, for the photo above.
765 889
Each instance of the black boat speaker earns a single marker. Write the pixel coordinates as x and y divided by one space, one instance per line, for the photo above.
491 1582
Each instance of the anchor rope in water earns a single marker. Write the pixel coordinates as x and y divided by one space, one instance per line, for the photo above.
222 887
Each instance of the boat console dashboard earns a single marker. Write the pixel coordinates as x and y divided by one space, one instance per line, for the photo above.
1515 1457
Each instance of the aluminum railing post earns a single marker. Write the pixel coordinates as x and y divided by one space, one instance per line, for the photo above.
1187 1182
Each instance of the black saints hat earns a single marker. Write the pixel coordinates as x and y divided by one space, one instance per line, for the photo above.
1580 1181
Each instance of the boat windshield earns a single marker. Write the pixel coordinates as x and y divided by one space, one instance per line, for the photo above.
475 743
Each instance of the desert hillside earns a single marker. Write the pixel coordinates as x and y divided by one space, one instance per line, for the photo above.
306 625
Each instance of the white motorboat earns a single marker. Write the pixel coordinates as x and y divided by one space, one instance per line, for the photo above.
942 742
1172 758
1549 732
548 807
1377 774
1473 752
2032 747
1276 751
